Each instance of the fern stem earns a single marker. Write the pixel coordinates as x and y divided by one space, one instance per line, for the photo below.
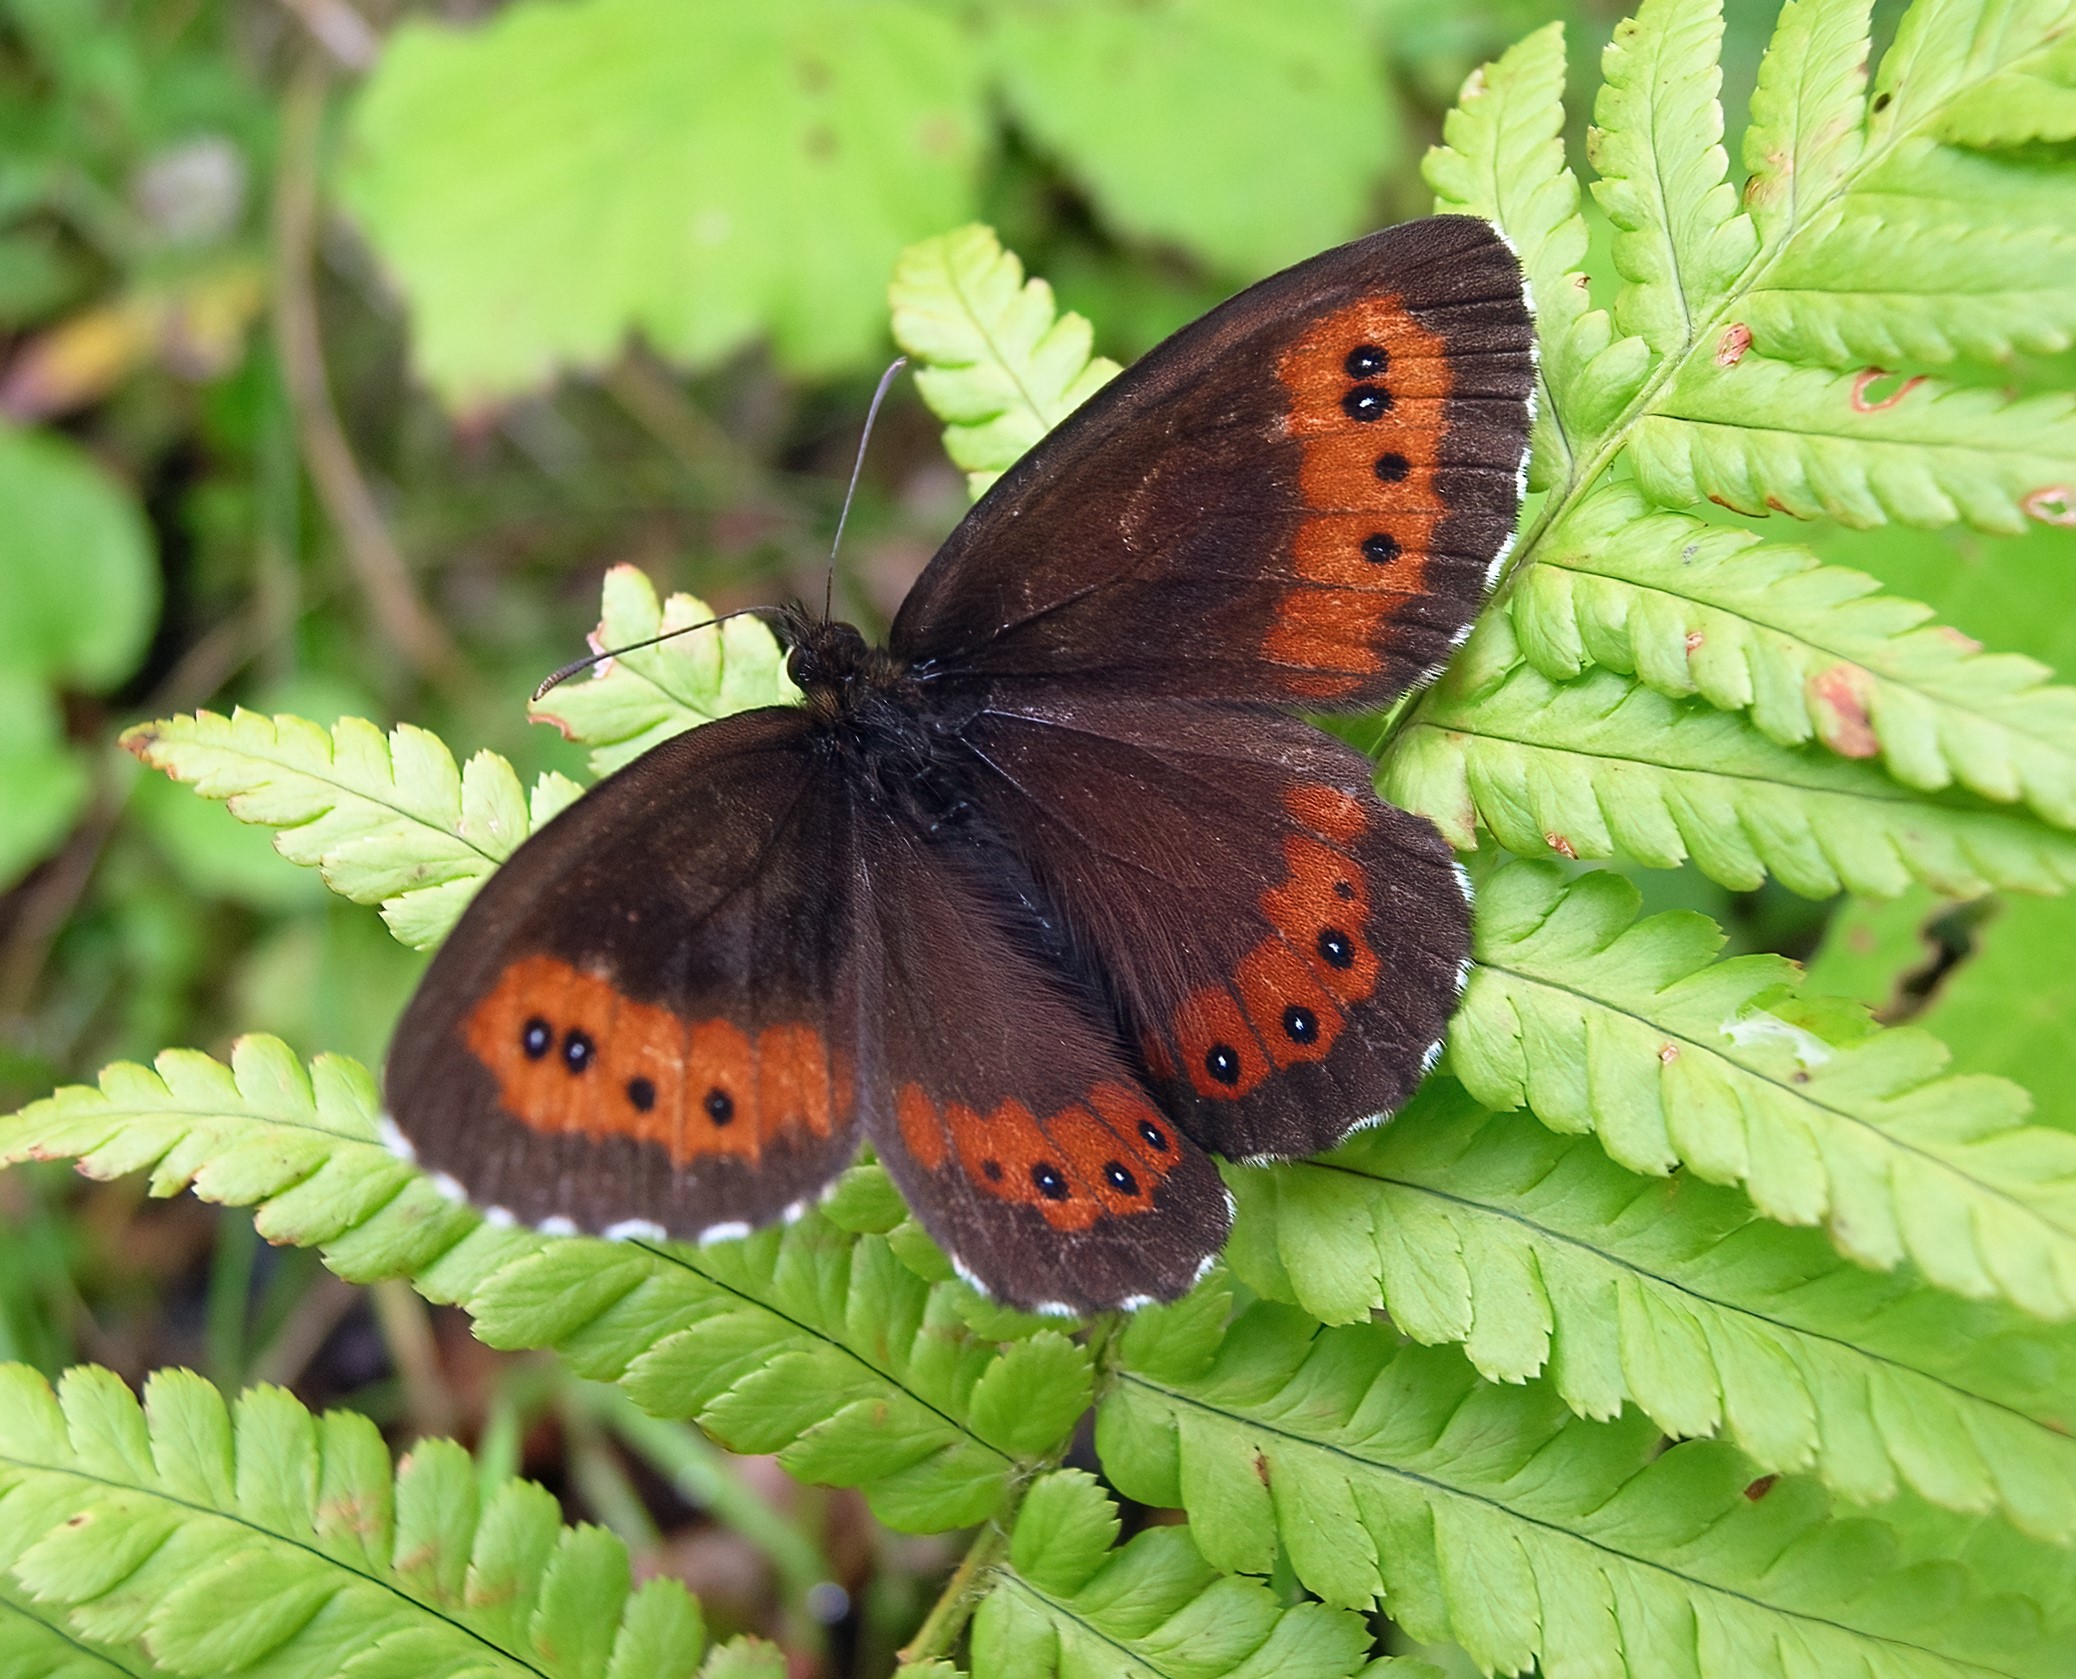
963 1591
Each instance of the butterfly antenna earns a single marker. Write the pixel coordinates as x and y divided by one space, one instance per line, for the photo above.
589 659
886 379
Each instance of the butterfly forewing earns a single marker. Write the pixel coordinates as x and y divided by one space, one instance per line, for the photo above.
1298 498
649 1017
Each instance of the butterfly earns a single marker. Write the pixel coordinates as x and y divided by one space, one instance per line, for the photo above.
1052 898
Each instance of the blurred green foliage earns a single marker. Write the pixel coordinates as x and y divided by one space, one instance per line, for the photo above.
603 281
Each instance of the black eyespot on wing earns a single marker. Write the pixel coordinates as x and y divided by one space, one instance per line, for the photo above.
1300 1024
1366 403
1380 548
991 1170
577 1049
642 1093
1336 948
536 1038
1119 1176
1392 466
1051 1182
1366 361
720 1106
1156 1139
1222 1062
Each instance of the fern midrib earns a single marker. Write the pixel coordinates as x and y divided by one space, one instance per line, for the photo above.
191 1116
92 1652
1006 363
1563 497
1798 631
1435 1484
1054 1607
348 790
1788 1329
237 1519
809 1332
1798 1093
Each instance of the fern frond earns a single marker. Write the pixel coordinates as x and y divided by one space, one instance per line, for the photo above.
385 819
35 1643
805 1341
1596 1021
1760 436
260 1539
1603 766
1492 1516
1680 237
640 699
997 362
2033 100
1807 111
1538 1252
1812 651
1066 1603
1502 158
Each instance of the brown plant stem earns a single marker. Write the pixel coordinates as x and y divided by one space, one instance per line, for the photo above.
371 553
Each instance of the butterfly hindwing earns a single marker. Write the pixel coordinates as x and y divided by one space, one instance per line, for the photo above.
1007 1111
648 1018
1298 498
1284 947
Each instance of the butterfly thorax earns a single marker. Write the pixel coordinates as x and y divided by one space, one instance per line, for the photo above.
869 704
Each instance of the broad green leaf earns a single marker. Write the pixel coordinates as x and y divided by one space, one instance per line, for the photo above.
1540 1254
640 699
1066 1604
1603 766
1596 1021
77 572
43 783
1761 436
804 1341
386 820
262 1539
1813 652
996 360
1182 117
1491 1516
1951 54
558 177
1680 238
1807 113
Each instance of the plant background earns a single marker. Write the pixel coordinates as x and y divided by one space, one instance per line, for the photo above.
284 427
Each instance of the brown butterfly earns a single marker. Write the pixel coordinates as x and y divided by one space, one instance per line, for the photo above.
1048 900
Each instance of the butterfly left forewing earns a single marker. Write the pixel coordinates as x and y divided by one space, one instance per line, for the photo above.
1283 948
646 1021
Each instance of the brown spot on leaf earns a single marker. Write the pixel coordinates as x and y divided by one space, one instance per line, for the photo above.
1760 1488
1966 643
1863 381
1838 701
1261 1468
1730 348
1694 640
1668 1053
1562 846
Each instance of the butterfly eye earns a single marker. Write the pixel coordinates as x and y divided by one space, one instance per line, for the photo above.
578 1049
1366 361
536 1037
